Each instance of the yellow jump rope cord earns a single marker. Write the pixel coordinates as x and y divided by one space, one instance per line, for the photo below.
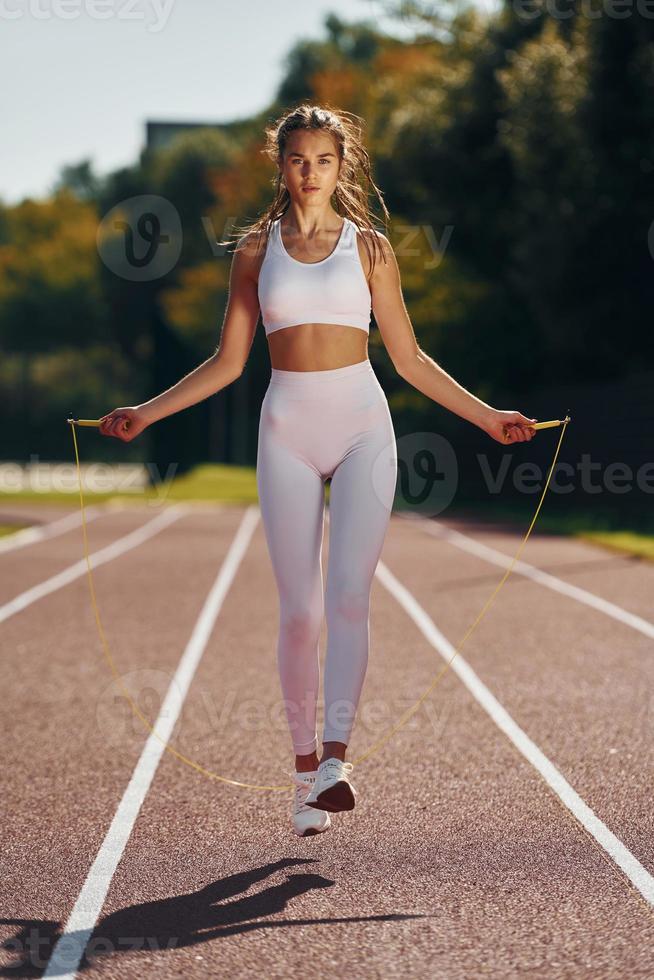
414 707
405 717
407 714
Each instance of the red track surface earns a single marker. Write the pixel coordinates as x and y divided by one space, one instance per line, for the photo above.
458 861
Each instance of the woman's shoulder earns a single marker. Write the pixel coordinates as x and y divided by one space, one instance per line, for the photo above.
373 236
369 233
251 240
252 245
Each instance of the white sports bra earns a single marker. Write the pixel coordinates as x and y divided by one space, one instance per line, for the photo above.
334 290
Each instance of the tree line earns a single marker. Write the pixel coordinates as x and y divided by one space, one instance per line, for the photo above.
515 152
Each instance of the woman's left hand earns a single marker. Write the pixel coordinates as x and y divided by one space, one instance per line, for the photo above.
509 427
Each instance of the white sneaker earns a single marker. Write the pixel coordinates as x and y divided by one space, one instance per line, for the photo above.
332 789
306 820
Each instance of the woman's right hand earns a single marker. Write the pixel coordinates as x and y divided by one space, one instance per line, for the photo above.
124 423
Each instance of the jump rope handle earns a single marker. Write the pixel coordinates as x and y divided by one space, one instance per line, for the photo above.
95 422
545 425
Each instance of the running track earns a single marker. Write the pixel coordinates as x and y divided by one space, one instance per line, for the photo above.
506 830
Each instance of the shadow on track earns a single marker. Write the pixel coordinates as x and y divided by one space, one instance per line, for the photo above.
185 920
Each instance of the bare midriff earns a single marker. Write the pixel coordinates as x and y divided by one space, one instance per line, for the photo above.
317 347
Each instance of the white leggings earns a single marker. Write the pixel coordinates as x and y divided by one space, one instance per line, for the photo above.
315 425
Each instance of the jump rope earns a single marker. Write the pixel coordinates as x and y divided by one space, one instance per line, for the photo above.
404 717
615 868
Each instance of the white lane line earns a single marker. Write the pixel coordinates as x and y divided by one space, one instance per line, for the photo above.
79 568
495 557
633 869
41 532
70 947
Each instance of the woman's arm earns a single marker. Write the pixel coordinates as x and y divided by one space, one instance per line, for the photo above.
423 373
218 371
206 379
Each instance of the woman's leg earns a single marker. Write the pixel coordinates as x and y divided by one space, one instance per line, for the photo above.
291 499
361 500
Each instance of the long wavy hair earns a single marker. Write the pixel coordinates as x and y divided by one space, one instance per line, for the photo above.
350 197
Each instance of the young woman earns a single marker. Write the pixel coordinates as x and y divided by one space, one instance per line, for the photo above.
315 270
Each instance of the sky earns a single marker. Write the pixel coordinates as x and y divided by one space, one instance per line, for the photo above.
79 78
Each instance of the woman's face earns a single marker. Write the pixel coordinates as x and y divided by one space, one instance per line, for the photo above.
310 160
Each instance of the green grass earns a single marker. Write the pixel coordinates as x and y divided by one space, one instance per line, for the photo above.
220 483
237 485
10 528
599 527
625 542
